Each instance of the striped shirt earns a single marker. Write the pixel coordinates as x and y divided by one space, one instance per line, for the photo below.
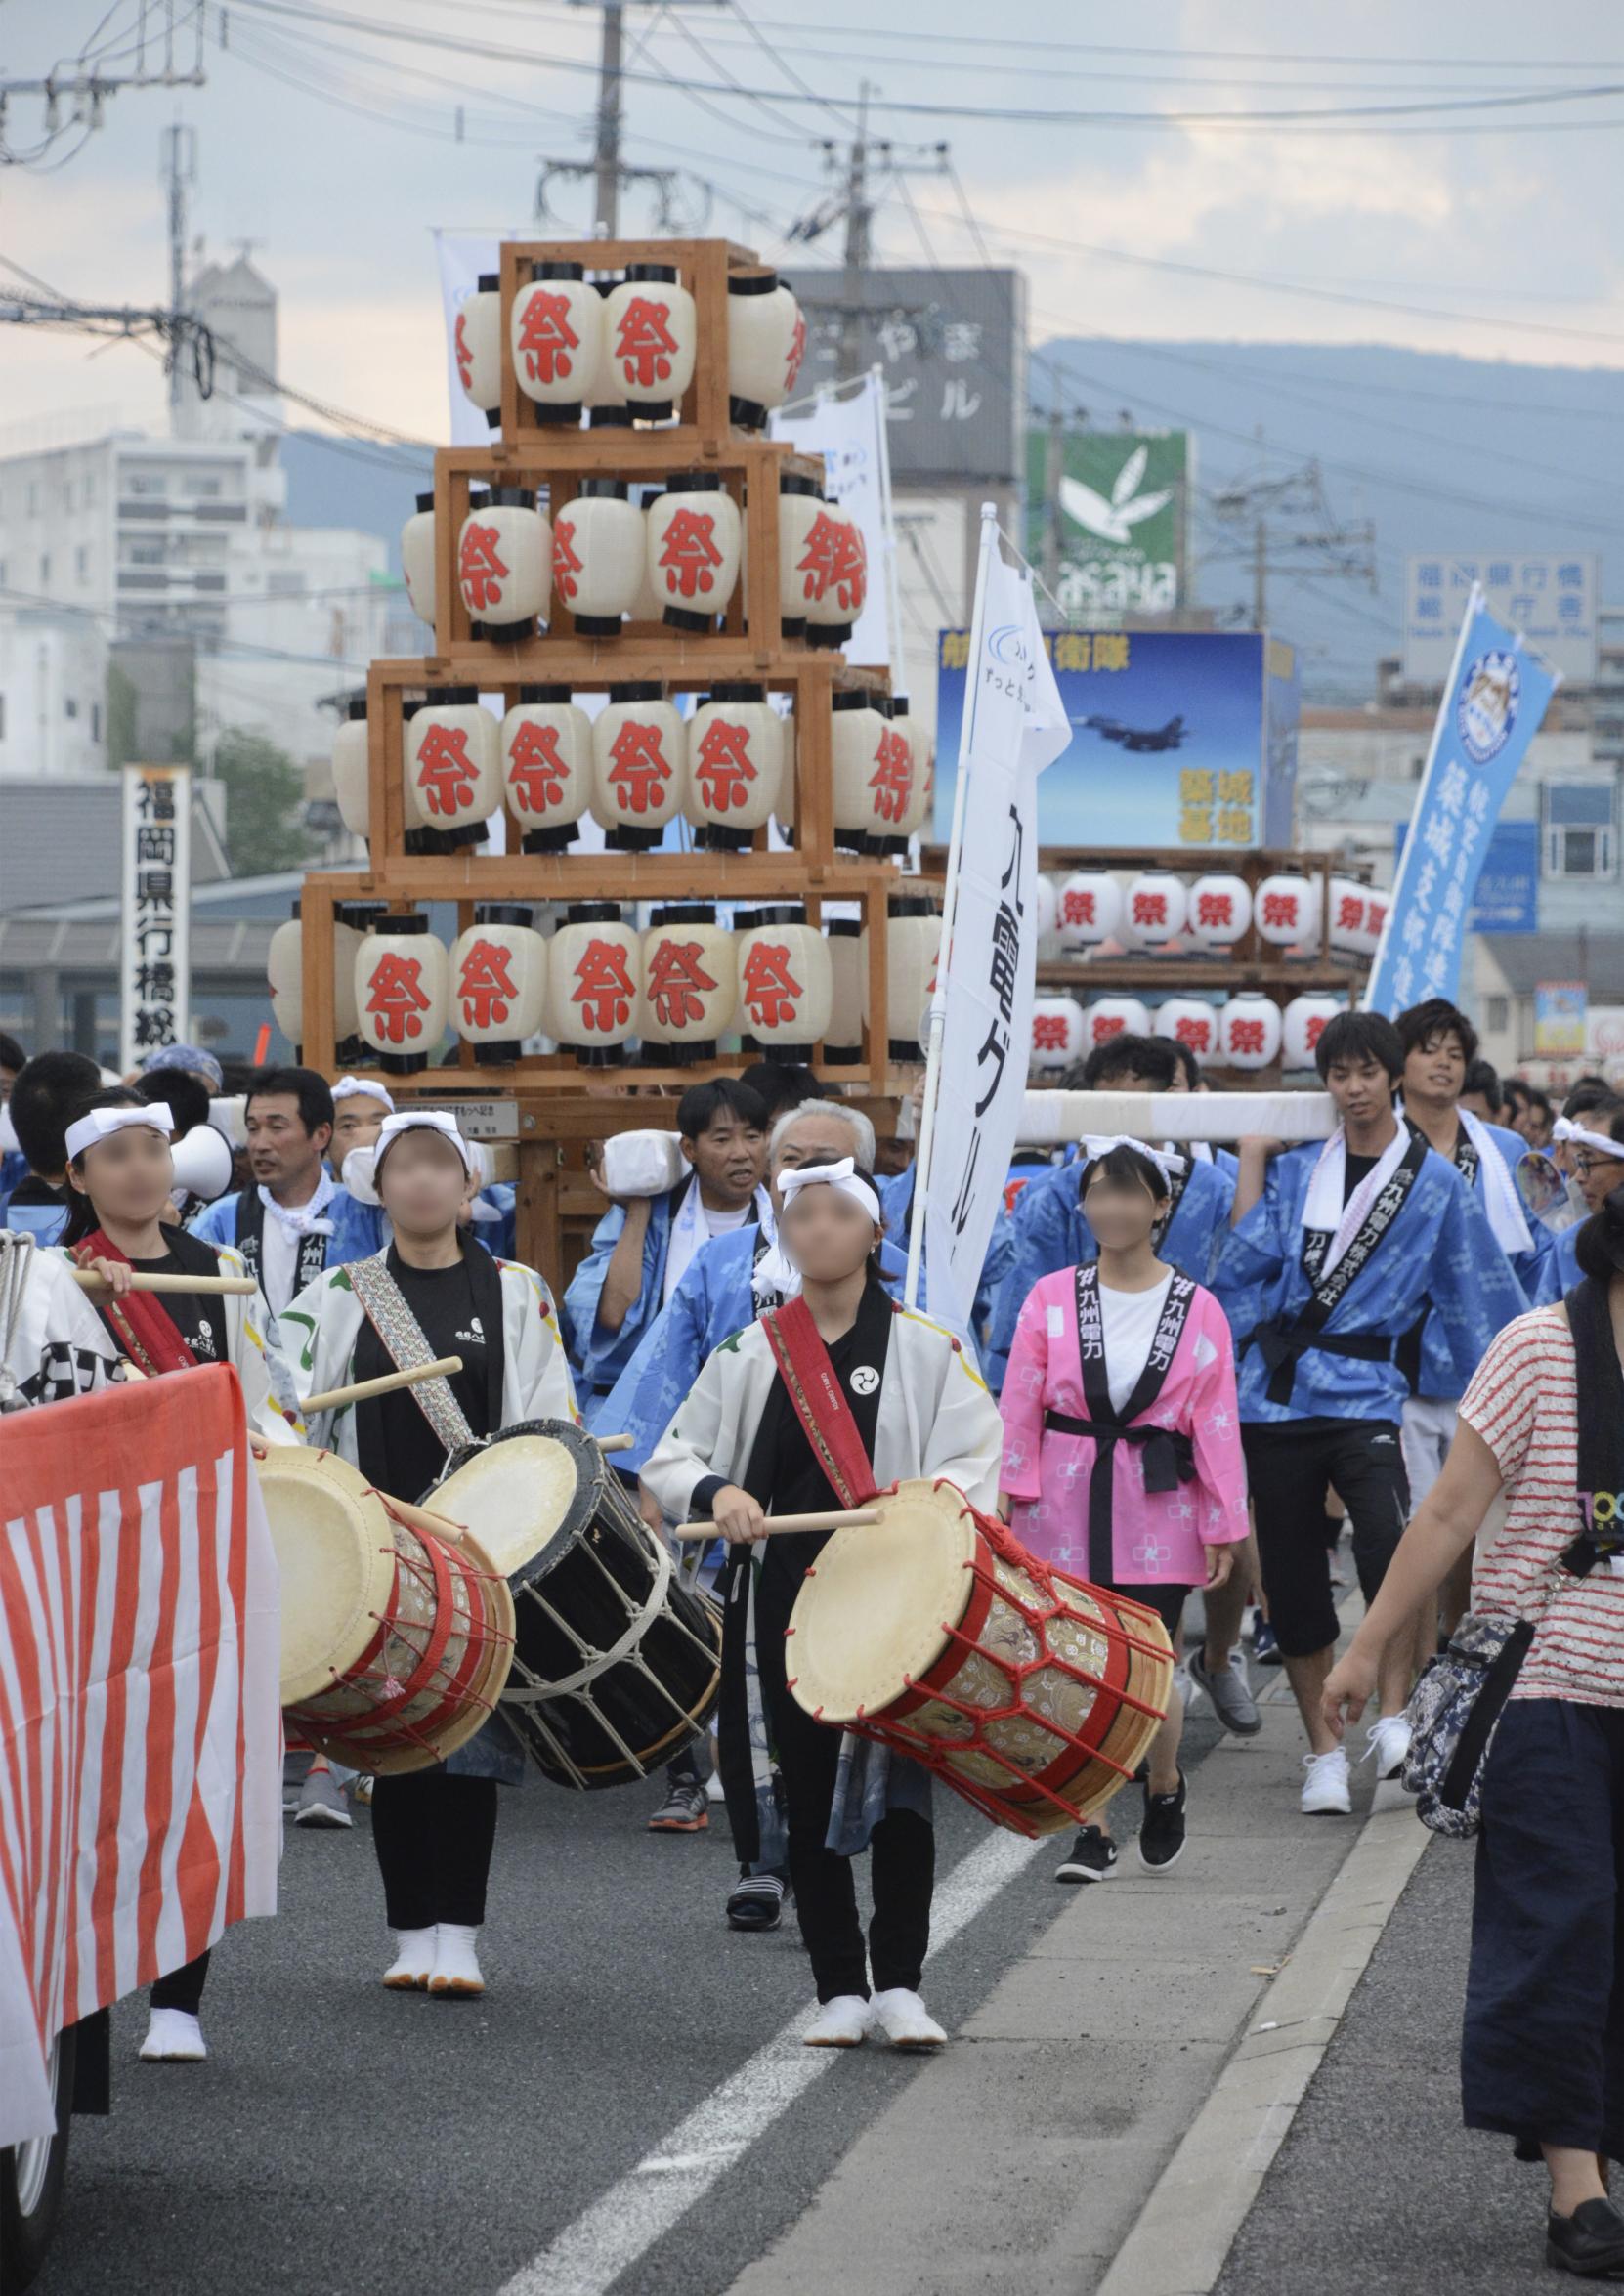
1523 1403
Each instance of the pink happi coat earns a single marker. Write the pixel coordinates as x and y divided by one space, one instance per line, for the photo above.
1156 1537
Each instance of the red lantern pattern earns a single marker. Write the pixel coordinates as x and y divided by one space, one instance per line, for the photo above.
690 554
396 998
566 567
645 345
892 781
603 987
546 338
640 769
835 560
677 983
485 989
535 767
768 986
447 778
481 568
797 352
722 765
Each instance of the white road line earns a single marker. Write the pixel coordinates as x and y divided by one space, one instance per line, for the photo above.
606 2240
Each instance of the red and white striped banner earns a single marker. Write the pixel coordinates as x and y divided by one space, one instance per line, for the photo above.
140 1730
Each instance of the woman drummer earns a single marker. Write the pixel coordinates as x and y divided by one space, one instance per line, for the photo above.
1122 1454
122 1176
805 1410
433 1292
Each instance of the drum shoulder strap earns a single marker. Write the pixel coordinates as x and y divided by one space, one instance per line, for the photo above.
402 1334
820 1401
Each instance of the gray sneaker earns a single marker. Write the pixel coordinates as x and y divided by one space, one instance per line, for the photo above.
1229 1691
322 1803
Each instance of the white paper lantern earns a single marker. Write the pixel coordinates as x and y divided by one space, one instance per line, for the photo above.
1089 909
912 940
1191 1021
833 569
599 557
352 771
786 982
1060 1035
800 571
498 976
763 321
1249 1031
695 539
1301 1024
557 337
1349 925
1048 906
504 563
689 982
454 770
639 765
1115 1016
911 819
546 746
418 559
735 766
594 983
848 961
651 333
352 921
607 395
477 340
1285 909
402 992
285 972
873 774
1218 910
1154 912
783 812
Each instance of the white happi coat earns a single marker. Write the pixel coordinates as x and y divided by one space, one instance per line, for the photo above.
59 1347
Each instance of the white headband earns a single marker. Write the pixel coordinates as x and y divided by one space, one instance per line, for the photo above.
1098 1144
347 1087
101 1121
1567 1132
841 1177
422 1120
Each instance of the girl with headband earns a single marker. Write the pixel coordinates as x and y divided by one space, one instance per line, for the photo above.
122 1175
810 1409
433 1292
1122 1450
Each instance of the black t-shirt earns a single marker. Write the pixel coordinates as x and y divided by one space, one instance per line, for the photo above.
398 1449
1354 1171
795 1479
199 1317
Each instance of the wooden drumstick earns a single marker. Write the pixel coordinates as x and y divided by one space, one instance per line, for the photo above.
88 1281
386 1385
421 1519
613 1442
834 1520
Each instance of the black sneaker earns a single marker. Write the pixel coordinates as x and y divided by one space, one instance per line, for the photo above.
757 1901
1589 2242
1094 1857
686 1810
1162 1835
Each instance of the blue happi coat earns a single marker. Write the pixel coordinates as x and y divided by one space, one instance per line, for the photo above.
896 1201
599 1357
1560 1267
1436 1374
1438 1249
1051 1233
358 1229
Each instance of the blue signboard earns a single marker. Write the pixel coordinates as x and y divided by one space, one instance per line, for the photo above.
1179 738
1506 899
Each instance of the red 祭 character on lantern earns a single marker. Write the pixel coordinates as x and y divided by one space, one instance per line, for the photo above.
1246 1036
535 767
1150 908
1109 1024
1350 913
824 547
1196 1034
645 345
689 556
1049 1031
447 776
566 567
797 352
1077 907
546 337
722 765
1278 908
676 979
849 573
769 987
1215 908
487 989
892 781
603 987
639 770
396 998
481 568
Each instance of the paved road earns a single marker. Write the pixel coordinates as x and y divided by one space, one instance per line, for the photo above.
1378 2186
342 2136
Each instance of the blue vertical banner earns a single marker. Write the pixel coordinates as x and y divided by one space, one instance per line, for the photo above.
1492 707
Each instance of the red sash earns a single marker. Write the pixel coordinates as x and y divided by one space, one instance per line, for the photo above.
820 1401
144 1330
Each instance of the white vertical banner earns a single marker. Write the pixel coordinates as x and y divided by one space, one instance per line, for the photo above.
155 882
1014 724
850 432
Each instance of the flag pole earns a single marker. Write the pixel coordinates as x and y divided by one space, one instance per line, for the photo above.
882 448
950 899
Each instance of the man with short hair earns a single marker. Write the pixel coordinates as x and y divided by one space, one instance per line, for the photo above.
284 1221
1480 1094
1332 1251
44 1097
1535 1116
14 1164
643 1243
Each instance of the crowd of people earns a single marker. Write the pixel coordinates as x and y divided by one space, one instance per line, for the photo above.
1190 1366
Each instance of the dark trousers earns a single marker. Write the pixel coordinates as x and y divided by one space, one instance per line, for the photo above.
1542 2051
902 1850
433 1833
183 1987
1290 1464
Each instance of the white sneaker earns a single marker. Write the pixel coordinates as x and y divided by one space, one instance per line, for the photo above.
456 1968
1386 1744
840 2024
1325 1791
903 2020
408 1972
174 2037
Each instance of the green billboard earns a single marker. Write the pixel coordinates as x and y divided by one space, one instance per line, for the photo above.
1107 517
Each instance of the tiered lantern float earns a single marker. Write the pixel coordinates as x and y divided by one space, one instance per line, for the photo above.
1114 1016
499 977
1089 909
1191 1021
1060 1035
765 340
651 333
477 339
695 539
1354 924
913 941
418 559
599 557
639 765
1249 1031
834 572
801 503
1218 910
848 961
1154 912
1285 909
909 820
557 340
504 563
1301 1024
786 982
594 983
285 973
735 766
690 980
352 921
454 769
402 992
352 771
873 777
546 748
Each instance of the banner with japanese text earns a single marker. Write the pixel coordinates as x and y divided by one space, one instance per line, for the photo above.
1491 709
156 979
850 432
1015 726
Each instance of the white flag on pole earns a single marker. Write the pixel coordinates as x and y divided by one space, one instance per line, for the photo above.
849 433
1015 725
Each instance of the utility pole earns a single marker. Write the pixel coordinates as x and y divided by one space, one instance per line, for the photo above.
1289 528
608 171
178 169
859 216
1054 464
85 93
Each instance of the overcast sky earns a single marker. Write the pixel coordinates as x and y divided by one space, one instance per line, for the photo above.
1496 226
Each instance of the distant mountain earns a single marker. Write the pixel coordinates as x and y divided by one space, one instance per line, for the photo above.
341 482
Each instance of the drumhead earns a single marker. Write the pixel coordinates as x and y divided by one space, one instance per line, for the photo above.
336 1555
875 1613
521 1491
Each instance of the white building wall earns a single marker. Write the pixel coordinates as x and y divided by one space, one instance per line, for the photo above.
53 688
